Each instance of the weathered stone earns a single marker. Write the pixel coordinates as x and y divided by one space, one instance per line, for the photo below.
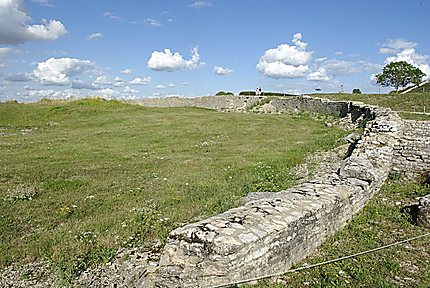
359 168
423 216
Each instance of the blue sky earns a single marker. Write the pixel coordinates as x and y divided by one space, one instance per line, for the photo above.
135 49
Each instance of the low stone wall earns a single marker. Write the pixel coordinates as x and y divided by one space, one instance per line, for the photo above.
412 152
268 235
211 102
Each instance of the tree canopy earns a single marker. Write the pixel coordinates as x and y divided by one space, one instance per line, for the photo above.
399 74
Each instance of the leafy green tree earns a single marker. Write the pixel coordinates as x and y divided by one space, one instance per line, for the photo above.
223 93
399 74
356 91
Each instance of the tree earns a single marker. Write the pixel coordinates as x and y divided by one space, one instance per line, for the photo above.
356 91
399 74
223 93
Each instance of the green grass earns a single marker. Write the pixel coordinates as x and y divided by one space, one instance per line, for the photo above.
380 223
80 179
413 102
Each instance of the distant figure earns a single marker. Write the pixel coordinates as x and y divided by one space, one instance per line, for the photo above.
259 91
256 91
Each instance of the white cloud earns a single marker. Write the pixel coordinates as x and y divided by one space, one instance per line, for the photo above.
111 16
397 45
57 71
153 22
119 82
50 93
286 61
338 53
385 50
42 2
95 36
405 51
126 71
168 61
103 80
319 76
160 86
129 90
14 28
222 71
107 92
200 4
141 81
322 59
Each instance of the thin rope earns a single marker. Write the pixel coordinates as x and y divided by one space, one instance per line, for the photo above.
320 264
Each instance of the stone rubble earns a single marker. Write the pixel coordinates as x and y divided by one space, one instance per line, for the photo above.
423 215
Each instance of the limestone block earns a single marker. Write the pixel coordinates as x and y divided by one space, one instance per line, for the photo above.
423 216
359 168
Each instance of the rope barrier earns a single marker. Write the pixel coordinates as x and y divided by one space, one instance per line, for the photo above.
321 263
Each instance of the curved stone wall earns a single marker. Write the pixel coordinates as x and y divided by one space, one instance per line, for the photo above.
268 235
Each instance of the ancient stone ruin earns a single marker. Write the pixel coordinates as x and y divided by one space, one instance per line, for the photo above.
268 235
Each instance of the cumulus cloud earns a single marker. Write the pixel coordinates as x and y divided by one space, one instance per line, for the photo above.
200 4
222 71
286 61
126 71
405 51
319 76
129 90
57 71
141 81
168 61
14 28
103 80
95 36
51 93
160 86
118 81
395 45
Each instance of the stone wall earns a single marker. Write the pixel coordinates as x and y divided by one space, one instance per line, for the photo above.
268 235
412 152
212 102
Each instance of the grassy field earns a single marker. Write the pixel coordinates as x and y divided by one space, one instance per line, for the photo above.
80 179
380 223
414 102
